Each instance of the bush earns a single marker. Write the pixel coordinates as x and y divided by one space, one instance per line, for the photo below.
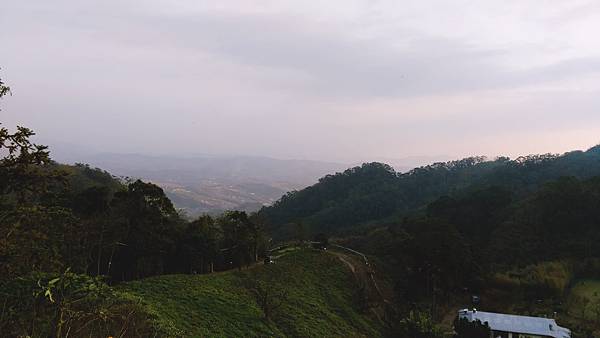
417 325
75 305
547 279
465 328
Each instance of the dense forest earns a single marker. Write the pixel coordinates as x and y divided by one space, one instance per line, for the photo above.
524 253
529 227
374 192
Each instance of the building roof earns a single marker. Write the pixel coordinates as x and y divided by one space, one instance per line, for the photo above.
517 324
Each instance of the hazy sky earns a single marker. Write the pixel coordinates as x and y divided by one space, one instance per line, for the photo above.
338 80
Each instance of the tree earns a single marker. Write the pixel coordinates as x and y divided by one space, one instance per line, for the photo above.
465 328
269 296
25 168
4 90
595 305
440 259
199 246
241 237
417 325
300 231
32 227
145 227
74 305
258 235
322 240
55 222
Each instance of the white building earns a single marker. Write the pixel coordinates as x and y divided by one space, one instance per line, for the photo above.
511 326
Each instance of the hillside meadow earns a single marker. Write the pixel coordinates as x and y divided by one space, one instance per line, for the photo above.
317 294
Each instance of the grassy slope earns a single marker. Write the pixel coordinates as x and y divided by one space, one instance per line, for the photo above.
590 290
320 300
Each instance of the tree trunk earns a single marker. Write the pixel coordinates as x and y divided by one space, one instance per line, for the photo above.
99 258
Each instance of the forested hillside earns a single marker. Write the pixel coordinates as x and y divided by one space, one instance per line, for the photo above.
375 192
522 253
520 233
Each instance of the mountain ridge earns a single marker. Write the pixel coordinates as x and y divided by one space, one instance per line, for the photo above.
375 192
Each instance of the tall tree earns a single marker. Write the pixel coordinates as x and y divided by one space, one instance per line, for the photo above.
145 226
32 228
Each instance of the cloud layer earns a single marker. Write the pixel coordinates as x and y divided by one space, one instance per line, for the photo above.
349 80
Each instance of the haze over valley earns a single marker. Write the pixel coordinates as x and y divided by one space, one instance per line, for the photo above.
213 184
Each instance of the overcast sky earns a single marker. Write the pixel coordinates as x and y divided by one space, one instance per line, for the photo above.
343 80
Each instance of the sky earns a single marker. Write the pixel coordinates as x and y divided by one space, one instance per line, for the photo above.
337 80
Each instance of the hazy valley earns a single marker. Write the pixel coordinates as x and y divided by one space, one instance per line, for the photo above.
213 184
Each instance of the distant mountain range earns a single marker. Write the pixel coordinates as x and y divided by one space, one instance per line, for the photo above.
212 183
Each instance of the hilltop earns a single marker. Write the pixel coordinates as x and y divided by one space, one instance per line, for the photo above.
376 193
319 300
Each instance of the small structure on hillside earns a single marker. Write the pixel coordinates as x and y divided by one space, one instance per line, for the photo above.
512 326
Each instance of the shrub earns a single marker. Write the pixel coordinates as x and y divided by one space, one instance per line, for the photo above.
417 325
75 305
465 328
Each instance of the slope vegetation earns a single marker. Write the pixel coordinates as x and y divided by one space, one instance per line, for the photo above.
374 192
317 293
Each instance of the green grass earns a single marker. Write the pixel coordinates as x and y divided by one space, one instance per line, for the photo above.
588 288
589 291
319 301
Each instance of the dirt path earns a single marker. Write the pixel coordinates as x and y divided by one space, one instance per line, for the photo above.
363 271
373 298
345 260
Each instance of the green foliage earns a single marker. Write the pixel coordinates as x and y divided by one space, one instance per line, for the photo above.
537 281
25 171
584 299
243 237
199 247
339 199
471 329
145 232
76 218
550 277
322 240
318 300
558 221
417 325
56 216
268 293
76 305
38 239
375 193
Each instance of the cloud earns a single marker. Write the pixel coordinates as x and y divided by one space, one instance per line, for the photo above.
295 79
336 63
